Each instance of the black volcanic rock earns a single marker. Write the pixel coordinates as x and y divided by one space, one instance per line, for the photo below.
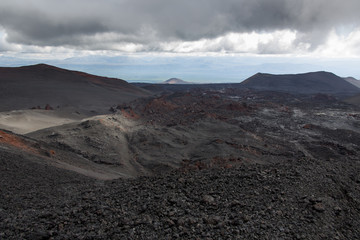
298 199
267 166
355 100
307 83
24 87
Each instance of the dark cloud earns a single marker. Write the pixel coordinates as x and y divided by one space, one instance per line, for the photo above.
94 24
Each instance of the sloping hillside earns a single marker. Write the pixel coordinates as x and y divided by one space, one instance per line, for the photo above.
307 83
353 81
38 85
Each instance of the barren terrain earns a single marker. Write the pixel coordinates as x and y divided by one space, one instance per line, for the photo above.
211 163
38 85
26 121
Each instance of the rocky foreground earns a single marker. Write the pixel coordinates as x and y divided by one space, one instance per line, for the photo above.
233 166
298 199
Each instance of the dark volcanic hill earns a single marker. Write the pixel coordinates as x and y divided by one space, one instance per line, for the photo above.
175 81
38 85
307 83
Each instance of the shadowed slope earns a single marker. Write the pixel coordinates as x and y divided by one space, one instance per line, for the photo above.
307 83
29 86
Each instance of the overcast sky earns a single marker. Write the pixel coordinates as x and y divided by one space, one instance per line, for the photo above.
68 28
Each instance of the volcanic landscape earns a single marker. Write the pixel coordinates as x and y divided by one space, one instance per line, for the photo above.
89 157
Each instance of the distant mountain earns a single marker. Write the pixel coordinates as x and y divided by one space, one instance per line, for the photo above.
37 85
353 81
175 81
306 83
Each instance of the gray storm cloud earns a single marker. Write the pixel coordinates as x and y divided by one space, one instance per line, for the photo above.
93 24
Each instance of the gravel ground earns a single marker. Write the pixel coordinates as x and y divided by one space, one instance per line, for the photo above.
306 186
299 199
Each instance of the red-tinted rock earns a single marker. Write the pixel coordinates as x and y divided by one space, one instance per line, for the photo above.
48 107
